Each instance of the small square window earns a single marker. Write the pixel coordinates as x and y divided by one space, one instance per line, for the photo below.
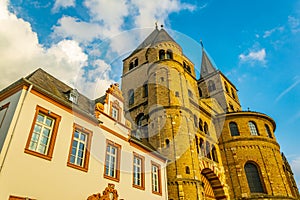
115 113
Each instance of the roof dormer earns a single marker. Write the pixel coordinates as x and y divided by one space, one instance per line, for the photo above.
73 96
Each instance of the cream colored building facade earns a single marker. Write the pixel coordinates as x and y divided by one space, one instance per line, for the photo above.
57 144
215 150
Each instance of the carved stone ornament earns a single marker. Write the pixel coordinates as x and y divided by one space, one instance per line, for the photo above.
110 193
115 90
99 108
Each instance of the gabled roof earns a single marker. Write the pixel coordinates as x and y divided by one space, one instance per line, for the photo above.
59 90
206 65
157 36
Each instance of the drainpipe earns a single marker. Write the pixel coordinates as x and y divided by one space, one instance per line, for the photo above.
166 180
15 125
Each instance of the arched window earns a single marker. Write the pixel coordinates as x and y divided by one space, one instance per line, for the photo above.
190 94
200 92
214 153
206 131
208 150
161 54
145 90
268 131
253 178
131 66
131 97
232 93
231 107
139 119
202 147
169 54
226 87
234 130
253 128
187 170
200 124
195 121
136 62
196 141
188 68
211 86
139 122
167 143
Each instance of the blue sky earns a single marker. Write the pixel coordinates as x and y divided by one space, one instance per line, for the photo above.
255 43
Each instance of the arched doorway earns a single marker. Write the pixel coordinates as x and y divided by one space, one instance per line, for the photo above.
213 189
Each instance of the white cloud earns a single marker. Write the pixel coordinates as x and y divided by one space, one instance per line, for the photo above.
96 81
254 56
110 14
294 24
70 27
66 59
21 52
149 11
63 4
3 8
268 33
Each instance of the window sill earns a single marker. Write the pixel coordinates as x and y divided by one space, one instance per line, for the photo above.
139 187
34 153
157 193
112 178
84 169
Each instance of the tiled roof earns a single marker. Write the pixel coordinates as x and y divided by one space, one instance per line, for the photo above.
59 90
157 36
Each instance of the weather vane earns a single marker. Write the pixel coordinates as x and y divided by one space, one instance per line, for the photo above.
201 43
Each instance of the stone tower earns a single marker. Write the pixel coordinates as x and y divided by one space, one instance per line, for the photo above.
214 84
254 166
162 95
199 126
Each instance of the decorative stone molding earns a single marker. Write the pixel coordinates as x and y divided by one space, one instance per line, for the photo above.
115 91
99 108
110 193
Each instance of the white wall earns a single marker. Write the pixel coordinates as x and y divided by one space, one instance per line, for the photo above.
6 115
26 175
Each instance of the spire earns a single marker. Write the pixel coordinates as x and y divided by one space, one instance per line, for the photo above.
157 36
206 65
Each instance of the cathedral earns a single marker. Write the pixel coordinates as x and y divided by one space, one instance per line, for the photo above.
165 135
215 150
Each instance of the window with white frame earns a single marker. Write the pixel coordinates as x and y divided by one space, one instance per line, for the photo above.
112 161
79 149
79 145
155 173
138 171
41 135
115 113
